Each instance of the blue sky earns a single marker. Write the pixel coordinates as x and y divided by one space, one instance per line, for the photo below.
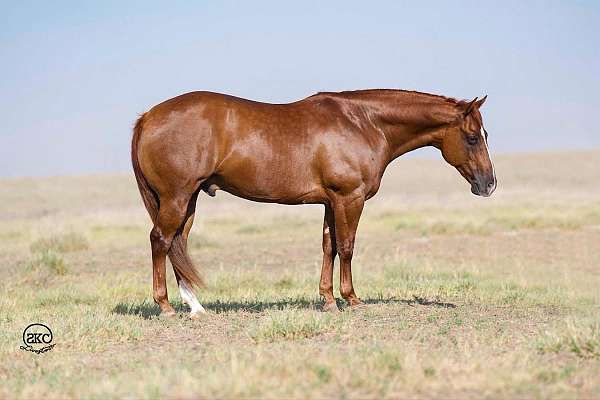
74 75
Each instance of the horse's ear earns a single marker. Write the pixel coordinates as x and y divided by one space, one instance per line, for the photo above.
470 107
479 103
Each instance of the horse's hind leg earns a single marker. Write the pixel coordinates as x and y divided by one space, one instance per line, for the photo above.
170 217
185 289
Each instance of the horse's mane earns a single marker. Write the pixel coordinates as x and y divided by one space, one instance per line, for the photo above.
383 92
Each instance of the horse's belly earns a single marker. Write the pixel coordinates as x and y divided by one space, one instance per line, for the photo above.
268 182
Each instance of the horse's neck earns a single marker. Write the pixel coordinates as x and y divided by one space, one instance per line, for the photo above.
408 121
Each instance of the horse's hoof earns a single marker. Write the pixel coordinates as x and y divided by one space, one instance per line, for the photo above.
331 307
197 315
356 304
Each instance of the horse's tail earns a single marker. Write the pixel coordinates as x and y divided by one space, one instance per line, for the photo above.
178 255
149 196
182 263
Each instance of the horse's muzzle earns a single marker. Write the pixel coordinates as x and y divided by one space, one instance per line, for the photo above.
483 186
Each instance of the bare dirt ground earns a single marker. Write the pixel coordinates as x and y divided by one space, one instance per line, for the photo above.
466 297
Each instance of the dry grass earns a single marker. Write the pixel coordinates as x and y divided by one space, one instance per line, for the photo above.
466 297
581 338
61 243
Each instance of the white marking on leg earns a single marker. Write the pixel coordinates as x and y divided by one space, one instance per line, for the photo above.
326 231
188 297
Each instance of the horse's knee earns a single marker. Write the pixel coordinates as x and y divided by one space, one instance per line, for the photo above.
160 243
346 250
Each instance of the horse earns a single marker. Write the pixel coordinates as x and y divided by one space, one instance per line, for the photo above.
331 148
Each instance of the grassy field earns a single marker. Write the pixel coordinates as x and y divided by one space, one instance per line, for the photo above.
466 297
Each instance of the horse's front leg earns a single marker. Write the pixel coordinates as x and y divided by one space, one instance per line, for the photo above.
329 253
347 210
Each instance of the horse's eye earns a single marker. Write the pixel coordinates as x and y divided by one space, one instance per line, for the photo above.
472 139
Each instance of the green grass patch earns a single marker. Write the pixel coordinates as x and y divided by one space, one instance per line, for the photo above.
291 324
50 261
580 338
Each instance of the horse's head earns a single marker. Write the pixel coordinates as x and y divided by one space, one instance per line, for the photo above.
464 146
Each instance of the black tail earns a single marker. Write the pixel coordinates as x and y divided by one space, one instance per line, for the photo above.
178 255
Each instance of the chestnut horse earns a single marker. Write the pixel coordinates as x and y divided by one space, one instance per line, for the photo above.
330 149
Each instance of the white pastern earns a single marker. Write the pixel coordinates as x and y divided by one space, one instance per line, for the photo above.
188 297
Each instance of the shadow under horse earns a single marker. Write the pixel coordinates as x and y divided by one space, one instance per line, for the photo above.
150 310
